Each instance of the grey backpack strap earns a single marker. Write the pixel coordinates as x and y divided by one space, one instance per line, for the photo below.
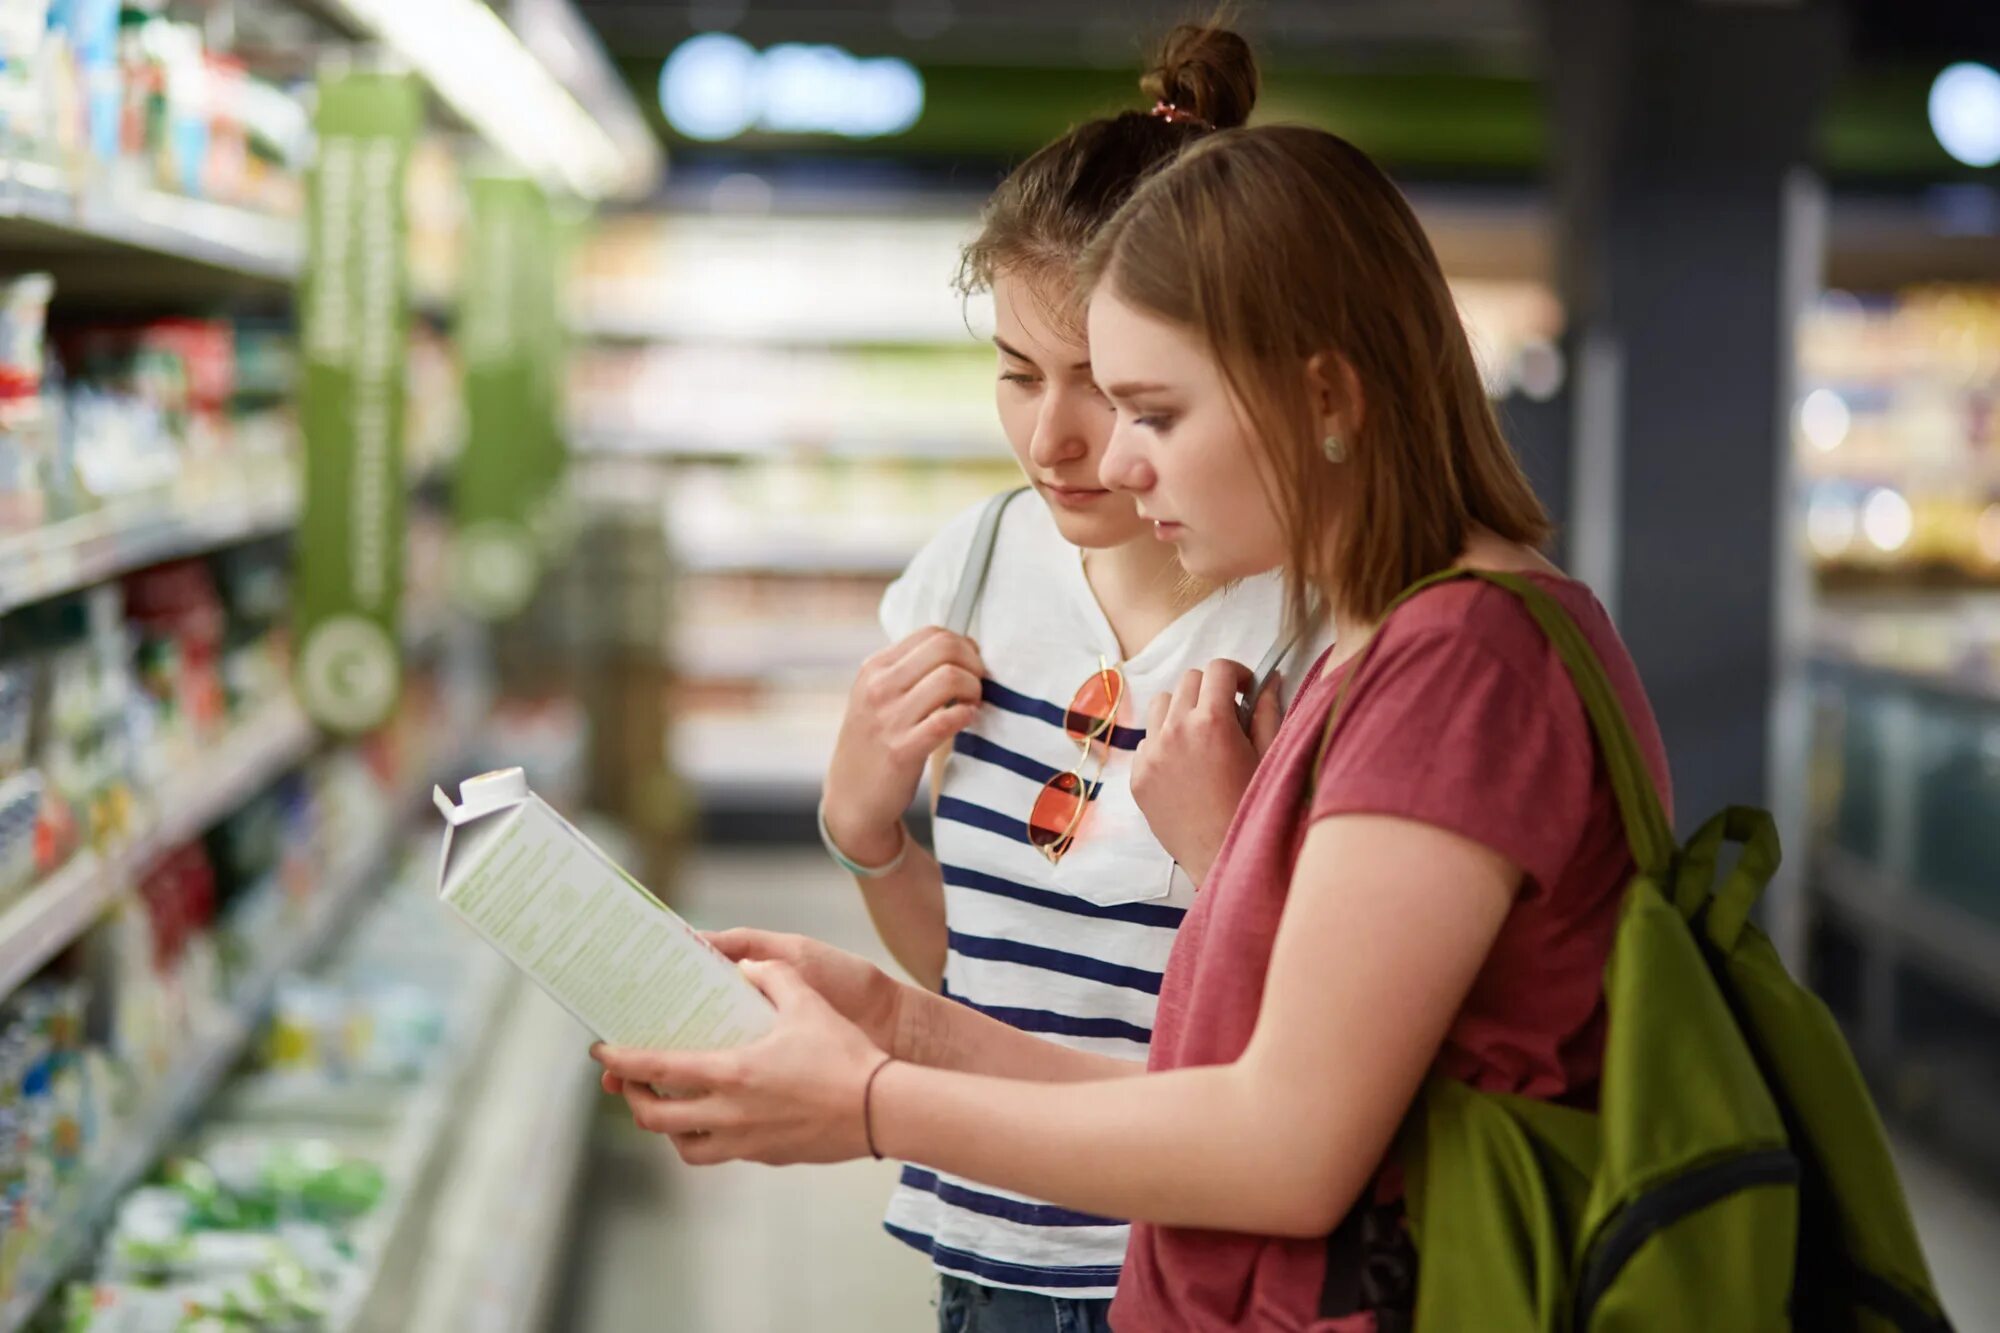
1262 677
1269 666
972 581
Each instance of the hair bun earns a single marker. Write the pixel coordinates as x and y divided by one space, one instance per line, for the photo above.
1207 72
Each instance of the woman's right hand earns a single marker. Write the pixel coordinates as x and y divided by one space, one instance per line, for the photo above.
859 991
908 700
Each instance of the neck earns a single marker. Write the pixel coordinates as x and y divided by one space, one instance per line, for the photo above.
1140 586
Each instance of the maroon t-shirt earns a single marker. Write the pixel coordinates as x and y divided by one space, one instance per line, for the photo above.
1464 718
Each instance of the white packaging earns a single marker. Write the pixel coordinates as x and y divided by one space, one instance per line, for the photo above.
558 908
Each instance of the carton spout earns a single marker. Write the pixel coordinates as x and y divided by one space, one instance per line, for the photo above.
482 795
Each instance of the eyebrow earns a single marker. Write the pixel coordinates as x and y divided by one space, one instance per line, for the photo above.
1132 389
1006 347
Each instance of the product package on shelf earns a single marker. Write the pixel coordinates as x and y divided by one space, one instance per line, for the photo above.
27 428
51 1115
279 1213
86 726
1897 438
133 100
152 416
109 697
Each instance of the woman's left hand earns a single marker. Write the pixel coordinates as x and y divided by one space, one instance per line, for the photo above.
1191 771
793 1095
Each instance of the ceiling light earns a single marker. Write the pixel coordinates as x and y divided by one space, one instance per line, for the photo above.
716 86
479 68
1965 112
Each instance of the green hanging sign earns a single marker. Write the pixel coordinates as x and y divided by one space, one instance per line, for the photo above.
354 332
507 489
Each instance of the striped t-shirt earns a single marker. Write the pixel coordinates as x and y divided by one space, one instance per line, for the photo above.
1073 951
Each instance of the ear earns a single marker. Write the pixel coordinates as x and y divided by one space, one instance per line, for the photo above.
1335 393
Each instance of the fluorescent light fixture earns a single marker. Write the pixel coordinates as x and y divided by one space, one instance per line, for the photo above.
1965 112
716 86
468 54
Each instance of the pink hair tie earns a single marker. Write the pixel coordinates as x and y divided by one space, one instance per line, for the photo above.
1173 115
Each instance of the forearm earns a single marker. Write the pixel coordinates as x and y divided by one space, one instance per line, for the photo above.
1192 1147
907 909
941 1033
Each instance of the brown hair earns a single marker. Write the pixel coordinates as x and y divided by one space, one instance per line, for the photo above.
1044 213
1281 243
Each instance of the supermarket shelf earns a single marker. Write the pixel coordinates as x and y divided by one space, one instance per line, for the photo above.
639 442
74 554
422 1138
753 760
1969 685
768 649
779 554
823 328
1953 943
495 1242
141 1141
50 916
39 210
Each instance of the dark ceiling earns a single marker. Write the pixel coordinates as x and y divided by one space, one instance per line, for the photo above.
1481 35
1449 88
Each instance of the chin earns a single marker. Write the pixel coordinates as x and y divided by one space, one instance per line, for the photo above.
1219 567
1095 532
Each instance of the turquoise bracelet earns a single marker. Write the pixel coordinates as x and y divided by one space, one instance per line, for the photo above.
853 867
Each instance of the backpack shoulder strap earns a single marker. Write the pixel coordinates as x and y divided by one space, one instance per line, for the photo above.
1647 832
972 580
1261 676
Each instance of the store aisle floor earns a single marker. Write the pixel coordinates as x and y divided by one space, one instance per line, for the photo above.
740 1249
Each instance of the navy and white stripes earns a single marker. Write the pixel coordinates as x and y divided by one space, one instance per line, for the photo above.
1074 951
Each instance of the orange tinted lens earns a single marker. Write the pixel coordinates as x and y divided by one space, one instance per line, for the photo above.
1095 706
1057 811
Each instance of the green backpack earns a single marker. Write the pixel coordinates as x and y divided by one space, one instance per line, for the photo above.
1735 1175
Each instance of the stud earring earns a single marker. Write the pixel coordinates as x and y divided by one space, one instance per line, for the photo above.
1334 448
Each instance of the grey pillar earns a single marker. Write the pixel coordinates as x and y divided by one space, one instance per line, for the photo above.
1687 243
1689 235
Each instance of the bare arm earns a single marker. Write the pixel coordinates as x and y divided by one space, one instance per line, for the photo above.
938 1033
908 701
918 1025
1280 1142
907 908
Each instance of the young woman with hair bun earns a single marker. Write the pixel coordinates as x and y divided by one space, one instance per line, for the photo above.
1062 866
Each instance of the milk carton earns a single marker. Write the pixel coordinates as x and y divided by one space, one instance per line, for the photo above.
562 911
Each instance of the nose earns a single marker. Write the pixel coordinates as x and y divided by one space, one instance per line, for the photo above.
1125 466
1064 427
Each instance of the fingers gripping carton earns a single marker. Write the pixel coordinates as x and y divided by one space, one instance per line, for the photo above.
562 911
